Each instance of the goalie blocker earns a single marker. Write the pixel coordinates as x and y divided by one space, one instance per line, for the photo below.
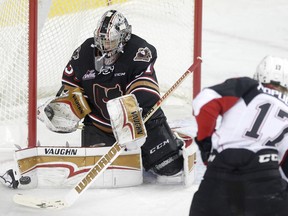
126 121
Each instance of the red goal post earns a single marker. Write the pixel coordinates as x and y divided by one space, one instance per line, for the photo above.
40 36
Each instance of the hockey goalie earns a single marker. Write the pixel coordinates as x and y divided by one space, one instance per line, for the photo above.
110 82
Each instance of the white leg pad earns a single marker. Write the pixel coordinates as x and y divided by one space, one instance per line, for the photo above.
62 167
189 155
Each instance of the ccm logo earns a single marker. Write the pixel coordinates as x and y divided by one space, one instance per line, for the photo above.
268 157
159 146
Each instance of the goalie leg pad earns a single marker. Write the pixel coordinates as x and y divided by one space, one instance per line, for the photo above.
62 167
189 168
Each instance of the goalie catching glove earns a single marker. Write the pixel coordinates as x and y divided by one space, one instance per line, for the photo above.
63 114
126 121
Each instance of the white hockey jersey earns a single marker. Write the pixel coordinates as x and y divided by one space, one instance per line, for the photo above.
252 117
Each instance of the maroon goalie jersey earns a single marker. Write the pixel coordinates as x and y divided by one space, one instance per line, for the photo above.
133 72
254 117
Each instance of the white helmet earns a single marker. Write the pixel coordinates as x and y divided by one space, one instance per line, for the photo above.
273 70
112 33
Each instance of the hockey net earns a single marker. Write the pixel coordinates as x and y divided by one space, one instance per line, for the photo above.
62 26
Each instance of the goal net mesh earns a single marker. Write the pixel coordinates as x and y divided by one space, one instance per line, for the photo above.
62 26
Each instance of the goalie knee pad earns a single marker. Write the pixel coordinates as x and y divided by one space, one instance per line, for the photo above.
161 151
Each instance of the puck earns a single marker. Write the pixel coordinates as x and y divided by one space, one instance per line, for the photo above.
24 180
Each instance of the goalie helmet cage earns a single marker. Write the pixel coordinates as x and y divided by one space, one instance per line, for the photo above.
38 38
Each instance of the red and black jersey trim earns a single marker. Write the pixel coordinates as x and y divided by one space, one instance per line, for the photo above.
209 113
243 87
231 91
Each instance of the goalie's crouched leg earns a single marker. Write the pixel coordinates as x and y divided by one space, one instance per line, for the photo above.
161 151
94 137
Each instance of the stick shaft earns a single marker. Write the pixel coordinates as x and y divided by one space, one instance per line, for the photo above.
172 89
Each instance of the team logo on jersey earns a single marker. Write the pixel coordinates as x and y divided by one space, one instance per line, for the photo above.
143 54
69 70
75 55
106 70
90 74
103 95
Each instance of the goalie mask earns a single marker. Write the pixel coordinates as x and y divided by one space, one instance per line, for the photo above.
112 33
273 70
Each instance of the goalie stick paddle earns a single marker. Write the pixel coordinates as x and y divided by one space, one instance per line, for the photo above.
102 164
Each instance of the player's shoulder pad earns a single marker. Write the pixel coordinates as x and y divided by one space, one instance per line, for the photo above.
237 87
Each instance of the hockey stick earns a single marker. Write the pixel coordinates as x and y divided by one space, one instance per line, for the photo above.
101 165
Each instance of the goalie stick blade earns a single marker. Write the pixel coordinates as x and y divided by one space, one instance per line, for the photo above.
34 202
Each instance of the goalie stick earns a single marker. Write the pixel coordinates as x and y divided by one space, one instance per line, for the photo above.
102 164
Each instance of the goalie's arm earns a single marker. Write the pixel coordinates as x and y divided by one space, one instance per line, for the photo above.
64 112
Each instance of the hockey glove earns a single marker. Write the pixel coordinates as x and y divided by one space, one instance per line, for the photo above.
63 113
204 146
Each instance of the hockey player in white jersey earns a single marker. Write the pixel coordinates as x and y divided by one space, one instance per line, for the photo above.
242 136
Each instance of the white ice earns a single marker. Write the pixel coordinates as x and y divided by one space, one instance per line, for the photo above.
236 36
